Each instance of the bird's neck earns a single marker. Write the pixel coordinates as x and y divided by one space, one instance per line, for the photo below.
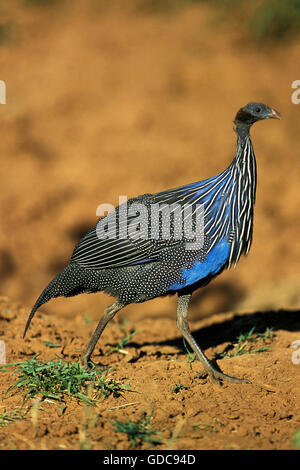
242 129
243 167
244 147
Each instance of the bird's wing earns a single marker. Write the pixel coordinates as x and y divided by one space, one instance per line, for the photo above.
150 225
122 238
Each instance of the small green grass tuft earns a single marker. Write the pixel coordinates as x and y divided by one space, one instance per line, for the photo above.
59 379
11 416
124 342
178 387
191 356
48 344
106 387
245 343
138 432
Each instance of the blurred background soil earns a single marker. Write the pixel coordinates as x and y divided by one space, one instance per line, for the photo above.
104 100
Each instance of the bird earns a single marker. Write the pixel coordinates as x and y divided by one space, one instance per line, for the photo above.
169 243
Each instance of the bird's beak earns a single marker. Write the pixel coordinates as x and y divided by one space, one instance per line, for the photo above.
274 114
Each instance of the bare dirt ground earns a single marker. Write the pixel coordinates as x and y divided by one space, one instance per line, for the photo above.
107 102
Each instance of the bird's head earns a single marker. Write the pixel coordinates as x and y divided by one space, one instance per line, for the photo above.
253 112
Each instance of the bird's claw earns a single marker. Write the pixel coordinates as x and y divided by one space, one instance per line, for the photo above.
92 366
219 376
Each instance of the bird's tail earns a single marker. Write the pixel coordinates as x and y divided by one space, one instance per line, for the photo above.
61 285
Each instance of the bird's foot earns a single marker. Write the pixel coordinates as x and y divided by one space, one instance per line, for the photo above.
92 366
218 376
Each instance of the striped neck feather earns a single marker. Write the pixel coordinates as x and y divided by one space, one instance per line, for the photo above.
228 200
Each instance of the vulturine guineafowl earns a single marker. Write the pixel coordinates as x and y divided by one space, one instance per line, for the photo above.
172 242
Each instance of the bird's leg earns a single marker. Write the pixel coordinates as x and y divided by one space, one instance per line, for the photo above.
108 315
182 323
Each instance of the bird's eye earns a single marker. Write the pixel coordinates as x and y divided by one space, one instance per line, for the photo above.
258 110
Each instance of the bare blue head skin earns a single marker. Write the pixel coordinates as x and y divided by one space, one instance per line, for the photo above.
252 113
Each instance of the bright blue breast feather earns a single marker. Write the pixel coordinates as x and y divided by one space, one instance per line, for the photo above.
215 261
